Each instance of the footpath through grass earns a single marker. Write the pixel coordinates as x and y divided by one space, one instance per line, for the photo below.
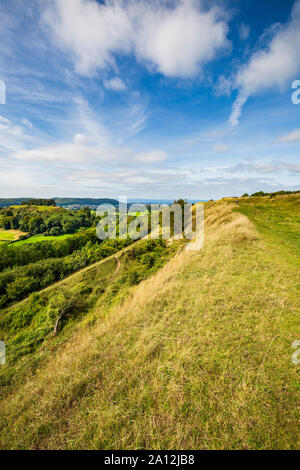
278 220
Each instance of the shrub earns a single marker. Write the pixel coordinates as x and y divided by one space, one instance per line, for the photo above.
133 277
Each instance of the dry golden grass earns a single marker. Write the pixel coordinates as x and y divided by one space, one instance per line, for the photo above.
198 357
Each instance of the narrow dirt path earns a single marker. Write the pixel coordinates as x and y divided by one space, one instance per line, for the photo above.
118 265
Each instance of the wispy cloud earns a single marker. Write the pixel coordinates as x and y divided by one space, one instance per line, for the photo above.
220 148
293 136
265 167
270 67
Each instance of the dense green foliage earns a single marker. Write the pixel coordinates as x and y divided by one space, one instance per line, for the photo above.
19 281
278 193
45 220
20 255
25 326
39 202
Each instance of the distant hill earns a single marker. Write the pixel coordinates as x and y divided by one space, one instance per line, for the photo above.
81 202
76 202
64 202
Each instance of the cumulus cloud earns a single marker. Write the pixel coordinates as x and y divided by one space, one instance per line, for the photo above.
115 84
293 136
271 67
175 38
180 40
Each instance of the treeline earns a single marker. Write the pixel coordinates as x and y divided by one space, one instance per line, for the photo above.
277 193
39 202
52 222
20 255
18 282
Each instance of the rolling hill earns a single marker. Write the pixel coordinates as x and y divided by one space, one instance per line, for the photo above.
191 352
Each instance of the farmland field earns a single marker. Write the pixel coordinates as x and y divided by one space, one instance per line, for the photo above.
42 238
10 235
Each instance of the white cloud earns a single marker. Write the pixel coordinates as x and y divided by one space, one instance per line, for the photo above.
270 67
175 38
12 137
154 156
90 31
115 84
293 136
81 139
220 148
69 153
27 123
79 151
179 40
265 167
109 178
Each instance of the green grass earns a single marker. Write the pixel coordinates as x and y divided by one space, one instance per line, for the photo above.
28 324
278 220
10 235
196 355
37 208
6 236
41 238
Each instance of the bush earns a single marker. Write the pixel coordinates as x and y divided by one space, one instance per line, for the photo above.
20 287
133 277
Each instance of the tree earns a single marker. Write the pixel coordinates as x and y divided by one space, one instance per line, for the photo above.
6 223
55 231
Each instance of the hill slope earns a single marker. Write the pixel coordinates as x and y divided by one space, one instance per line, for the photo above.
197 356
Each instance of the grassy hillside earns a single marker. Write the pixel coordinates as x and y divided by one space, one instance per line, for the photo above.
197 356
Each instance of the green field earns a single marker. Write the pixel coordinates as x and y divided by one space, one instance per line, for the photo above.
10 235
278 219
6 236
37 208
41 238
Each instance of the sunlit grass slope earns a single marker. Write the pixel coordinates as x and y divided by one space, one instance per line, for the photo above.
198 356
10 235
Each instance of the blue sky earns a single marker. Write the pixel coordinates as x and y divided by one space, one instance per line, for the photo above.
149 99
